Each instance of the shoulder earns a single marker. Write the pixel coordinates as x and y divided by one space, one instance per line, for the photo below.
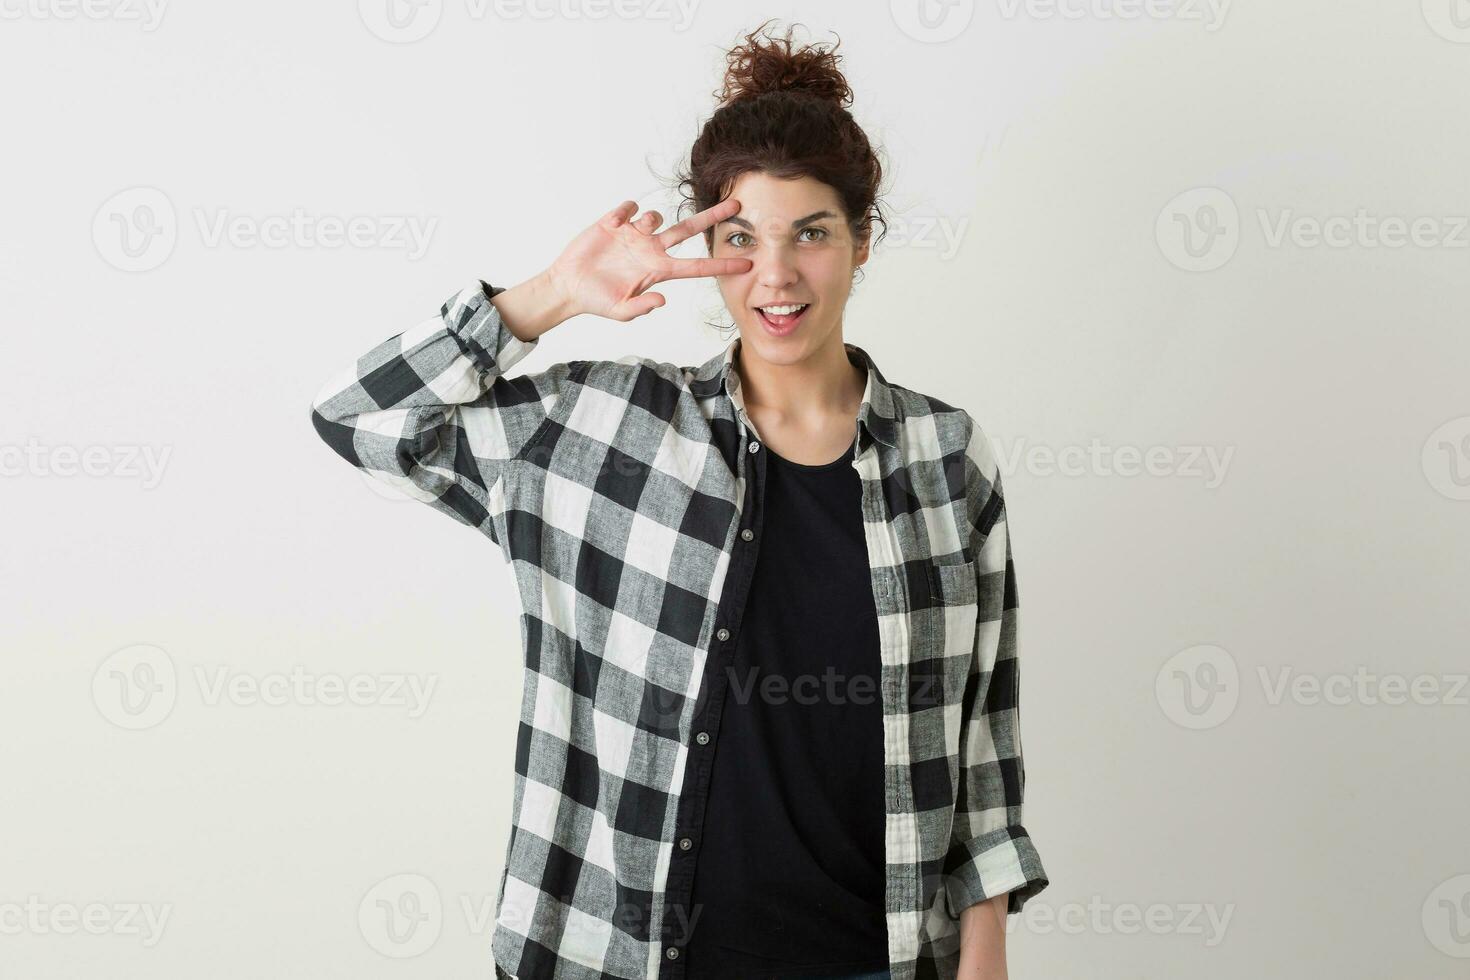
955 429
946 432
657 386
632 370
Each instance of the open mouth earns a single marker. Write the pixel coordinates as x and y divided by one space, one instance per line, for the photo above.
782 319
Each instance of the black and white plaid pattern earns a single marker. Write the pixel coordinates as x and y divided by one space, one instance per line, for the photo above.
615 490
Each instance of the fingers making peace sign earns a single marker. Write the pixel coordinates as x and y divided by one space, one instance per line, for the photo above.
608 269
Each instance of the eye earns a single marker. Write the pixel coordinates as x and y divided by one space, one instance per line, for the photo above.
820 232
730 240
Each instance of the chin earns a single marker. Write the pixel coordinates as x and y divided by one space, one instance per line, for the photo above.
776 350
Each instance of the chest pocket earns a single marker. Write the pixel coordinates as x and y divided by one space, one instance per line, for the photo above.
955 605
953 585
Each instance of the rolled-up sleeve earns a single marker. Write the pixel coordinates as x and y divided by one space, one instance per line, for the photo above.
431 412
991 852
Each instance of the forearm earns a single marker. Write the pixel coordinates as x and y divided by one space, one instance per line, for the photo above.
983 940
533 307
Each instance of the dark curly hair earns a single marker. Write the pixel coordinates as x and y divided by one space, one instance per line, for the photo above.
783 111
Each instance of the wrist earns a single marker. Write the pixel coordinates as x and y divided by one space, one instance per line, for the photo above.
532 308
556 292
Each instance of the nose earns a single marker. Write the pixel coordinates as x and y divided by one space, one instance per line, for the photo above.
775 267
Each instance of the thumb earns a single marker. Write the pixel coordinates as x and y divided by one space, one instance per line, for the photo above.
645 303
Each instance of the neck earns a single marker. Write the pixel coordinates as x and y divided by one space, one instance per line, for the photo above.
827 382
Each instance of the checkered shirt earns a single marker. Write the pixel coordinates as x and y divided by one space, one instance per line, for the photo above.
621 492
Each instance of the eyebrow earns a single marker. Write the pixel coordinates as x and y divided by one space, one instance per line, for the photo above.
798 224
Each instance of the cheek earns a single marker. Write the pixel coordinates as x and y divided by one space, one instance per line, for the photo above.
731 289
829 275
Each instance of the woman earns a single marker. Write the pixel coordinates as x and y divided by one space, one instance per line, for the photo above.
769 709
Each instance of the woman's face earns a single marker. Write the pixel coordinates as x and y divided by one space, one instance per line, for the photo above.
795 233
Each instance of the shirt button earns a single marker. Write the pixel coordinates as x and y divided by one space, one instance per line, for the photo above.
723 634
747 534
672 952
702 738
685 844
755 446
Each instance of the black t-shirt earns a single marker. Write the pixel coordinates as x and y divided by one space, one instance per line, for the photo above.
790 874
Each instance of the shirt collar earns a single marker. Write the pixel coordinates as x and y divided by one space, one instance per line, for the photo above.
878 412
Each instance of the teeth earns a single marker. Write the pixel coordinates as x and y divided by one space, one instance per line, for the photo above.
784 310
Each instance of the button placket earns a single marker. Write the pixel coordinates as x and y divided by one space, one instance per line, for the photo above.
694 795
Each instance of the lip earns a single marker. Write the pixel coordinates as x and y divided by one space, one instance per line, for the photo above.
784 329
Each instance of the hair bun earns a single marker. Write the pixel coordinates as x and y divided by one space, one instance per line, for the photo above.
763 65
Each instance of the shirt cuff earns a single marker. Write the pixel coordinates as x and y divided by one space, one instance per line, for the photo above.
476 326
1002 861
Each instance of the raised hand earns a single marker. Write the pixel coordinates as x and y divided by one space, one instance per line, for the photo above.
608 269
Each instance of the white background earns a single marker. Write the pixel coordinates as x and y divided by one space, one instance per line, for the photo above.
1054 176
